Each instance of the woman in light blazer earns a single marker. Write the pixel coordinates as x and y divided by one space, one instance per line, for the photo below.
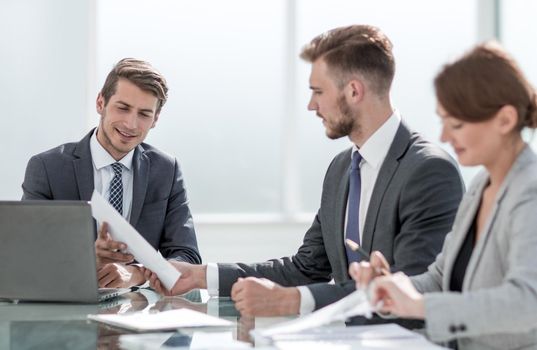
482 289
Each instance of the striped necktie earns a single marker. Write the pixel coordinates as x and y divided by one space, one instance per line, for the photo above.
116 188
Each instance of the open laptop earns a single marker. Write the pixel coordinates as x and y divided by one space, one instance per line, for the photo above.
47 253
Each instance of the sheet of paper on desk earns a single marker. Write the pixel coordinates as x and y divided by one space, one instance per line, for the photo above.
122 231
354 304
341 333
160 321
384 336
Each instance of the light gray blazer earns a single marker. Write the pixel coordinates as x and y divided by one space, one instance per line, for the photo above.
497 308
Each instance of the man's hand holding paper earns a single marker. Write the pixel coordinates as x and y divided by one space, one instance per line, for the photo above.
123 233
108 251
192 277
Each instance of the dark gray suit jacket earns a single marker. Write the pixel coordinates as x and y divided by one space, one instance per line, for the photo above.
412 208
159 205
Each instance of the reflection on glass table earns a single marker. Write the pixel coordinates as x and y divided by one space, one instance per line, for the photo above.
29 325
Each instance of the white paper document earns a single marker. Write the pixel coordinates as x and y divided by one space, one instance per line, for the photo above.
374 337
351 333
122 231
160 321
354 304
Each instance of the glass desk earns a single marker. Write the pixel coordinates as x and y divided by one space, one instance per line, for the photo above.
64 326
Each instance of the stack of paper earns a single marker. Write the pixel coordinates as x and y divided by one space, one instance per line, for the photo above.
386 336
160 321
306 332
385 331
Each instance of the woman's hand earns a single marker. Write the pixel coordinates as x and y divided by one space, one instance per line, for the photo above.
396 294
364 272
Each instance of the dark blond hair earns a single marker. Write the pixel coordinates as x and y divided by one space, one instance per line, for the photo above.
477 85
355 49
141 74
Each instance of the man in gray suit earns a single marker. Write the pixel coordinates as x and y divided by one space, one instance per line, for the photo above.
143 184
392 191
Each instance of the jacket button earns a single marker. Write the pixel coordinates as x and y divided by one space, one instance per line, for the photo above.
462 328
452 328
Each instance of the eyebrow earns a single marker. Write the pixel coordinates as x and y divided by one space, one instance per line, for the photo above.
145 110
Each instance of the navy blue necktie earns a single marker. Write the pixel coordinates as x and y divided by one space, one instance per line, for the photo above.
116 188
353 208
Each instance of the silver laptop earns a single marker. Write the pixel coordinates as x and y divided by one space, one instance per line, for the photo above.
47 252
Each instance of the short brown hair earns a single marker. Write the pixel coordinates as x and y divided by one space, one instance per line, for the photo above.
141 74
354 49
477 85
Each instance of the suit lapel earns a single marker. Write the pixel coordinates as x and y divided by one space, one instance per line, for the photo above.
523 159
481 243
83 168
386 173
140 167
473 199
340 214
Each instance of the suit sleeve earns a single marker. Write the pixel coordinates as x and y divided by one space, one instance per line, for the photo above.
309 265
427 208
179 238
36 183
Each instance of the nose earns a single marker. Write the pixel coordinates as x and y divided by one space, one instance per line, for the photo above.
131 121
444 135
312 106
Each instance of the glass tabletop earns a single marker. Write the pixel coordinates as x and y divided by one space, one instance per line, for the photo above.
29 325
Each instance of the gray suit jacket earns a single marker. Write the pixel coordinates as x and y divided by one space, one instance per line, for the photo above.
159 205
412 207
497 308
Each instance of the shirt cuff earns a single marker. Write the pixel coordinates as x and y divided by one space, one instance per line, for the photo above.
307 303
212 280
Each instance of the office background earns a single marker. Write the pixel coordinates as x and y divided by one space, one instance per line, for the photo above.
253 156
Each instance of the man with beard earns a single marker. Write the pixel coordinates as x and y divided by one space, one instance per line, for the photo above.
143 184
393 191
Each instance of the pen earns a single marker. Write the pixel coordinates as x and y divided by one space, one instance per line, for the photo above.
357 248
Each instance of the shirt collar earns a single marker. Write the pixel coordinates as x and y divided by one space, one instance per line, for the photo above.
101 158
374 150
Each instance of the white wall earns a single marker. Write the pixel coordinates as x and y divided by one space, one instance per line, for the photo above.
253 242
43 81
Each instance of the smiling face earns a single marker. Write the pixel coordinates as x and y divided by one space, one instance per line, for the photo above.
126 119
329 103
475 143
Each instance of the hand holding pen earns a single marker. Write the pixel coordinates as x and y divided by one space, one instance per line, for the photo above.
390 294
372 266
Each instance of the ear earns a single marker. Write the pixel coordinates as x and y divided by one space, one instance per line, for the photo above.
354 91
100 103
507 119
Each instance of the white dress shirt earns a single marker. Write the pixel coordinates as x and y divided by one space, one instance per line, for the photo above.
103 173
373 152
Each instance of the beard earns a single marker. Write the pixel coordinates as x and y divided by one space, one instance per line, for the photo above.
345 124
